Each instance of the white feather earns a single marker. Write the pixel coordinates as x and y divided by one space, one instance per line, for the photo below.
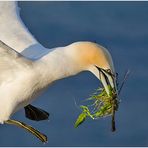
14 33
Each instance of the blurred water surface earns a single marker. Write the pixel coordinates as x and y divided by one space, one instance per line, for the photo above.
122 27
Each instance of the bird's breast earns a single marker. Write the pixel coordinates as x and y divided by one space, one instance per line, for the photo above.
17 93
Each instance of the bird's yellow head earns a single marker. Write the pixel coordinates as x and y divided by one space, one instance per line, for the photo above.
95 58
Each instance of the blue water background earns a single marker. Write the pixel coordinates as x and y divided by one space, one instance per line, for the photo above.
122 27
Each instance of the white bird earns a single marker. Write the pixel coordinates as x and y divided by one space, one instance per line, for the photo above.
27 68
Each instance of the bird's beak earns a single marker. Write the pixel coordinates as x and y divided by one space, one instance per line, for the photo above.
108 79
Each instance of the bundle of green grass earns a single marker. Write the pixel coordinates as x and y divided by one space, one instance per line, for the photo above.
100 104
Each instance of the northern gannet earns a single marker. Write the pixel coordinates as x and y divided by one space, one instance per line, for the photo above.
27 68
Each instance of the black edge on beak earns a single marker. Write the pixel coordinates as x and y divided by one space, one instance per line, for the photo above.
110 80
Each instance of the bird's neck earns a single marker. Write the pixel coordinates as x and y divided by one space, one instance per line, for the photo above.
55 65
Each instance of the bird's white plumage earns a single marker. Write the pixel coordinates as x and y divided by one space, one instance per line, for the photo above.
13 67
22 78
12 27
15 34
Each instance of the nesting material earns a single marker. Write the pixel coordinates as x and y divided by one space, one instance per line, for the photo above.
99 105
